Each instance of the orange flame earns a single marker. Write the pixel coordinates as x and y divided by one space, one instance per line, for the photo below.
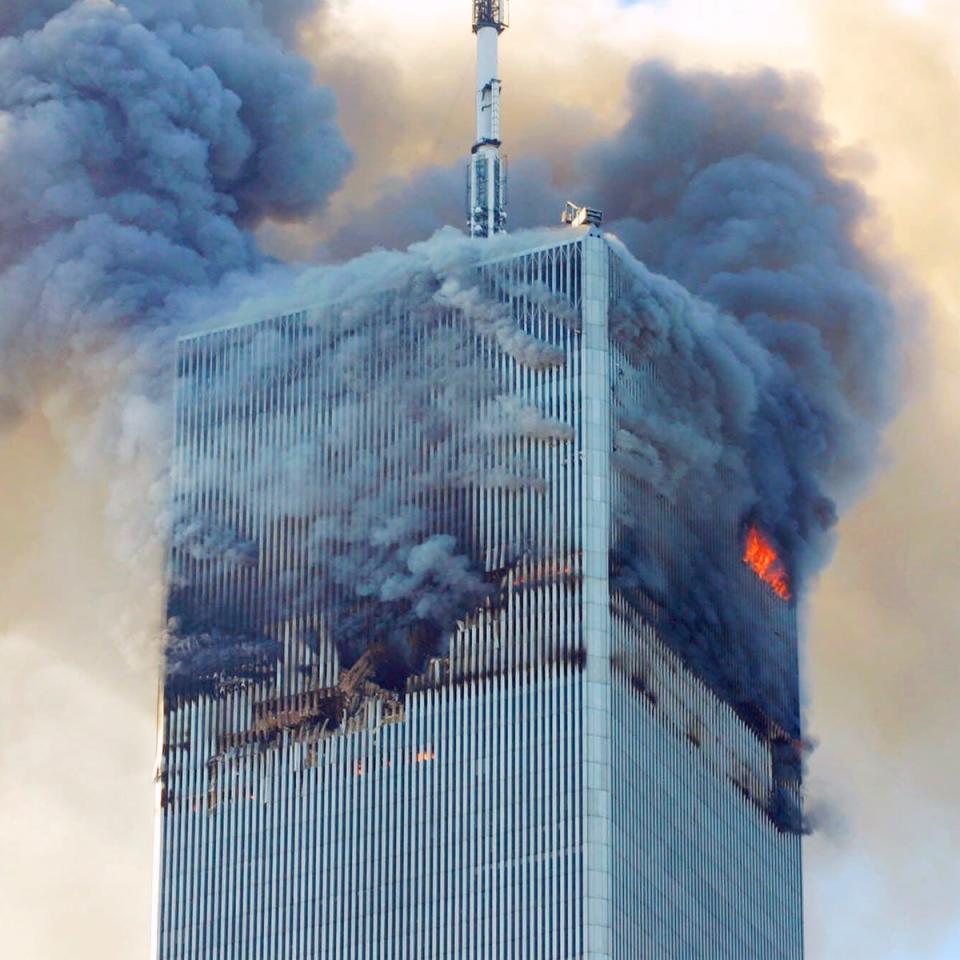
762 557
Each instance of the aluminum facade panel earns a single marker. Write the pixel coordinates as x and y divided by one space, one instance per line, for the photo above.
530 797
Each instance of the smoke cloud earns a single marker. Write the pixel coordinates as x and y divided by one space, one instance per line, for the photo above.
774 380
142 143
139 144
142 147
775 406
730 186
412 209
384 550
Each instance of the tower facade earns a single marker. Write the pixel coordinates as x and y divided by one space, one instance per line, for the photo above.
551 779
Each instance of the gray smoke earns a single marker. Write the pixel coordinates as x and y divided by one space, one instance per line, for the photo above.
382 545
687 444
193 655
204 539
18 16
280 17
413 209
774 407
772 347
139 144
727 185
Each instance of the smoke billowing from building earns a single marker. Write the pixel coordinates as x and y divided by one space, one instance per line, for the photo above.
774 384
383 532
728 186
141 142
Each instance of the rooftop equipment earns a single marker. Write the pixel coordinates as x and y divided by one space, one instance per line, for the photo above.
577 216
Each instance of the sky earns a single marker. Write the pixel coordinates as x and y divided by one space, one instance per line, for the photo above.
882 663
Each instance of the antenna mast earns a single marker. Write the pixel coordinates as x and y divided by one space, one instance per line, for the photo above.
487 198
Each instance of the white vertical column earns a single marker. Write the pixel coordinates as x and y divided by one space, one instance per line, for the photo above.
488 84
487 207
596 598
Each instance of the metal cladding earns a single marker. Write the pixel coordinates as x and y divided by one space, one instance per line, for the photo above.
552 780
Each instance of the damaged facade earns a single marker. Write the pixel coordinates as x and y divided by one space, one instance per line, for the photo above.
547 767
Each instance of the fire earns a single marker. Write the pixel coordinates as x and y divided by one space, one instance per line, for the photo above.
762 557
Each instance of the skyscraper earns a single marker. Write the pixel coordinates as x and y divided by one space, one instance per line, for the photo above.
418 704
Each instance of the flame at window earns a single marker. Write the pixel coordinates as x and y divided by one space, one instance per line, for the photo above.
762 557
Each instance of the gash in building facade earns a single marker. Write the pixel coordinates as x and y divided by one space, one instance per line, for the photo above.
550 781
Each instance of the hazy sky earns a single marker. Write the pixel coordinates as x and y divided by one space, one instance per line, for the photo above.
77 693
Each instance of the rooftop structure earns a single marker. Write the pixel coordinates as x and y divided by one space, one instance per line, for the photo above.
487 182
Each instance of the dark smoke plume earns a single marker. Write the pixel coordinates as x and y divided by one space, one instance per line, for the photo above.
139 144
381 546
142 142
773 383
727 185
768 412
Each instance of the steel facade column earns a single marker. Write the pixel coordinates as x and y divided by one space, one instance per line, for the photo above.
596 597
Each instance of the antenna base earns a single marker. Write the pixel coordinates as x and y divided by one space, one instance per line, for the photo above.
491 13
